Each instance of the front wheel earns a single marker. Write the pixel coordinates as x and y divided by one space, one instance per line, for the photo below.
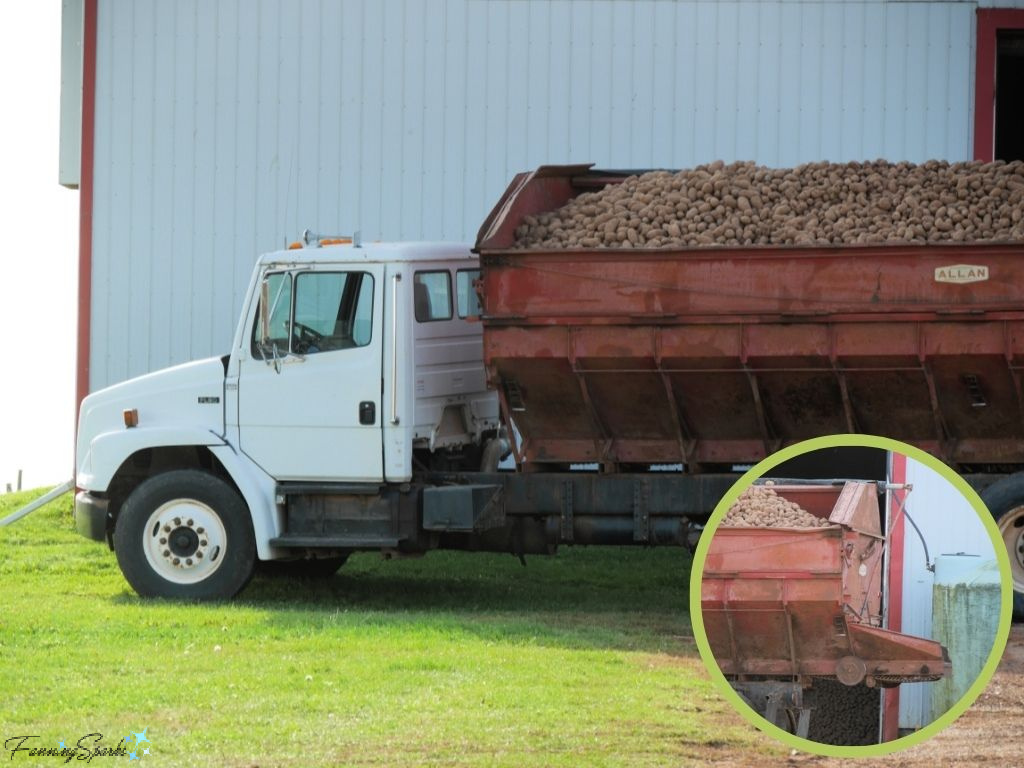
185 534
1005 500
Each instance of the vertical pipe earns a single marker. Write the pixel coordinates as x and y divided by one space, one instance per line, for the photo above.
894 604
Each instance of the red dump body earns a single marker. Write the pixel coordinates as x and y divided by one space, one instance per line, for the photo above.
724 355
805 602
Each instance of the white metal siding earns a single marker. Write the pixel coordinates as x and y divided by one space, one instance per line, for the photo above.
950 526
224 128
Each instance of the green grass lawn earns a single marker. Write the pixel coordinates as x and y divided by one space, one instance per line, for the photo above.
584 659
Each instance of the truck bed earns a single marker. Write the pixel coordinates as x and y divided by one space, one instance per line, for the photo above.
716 356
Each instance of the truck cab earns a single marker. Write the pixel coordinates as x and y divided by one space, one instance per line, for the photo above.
352 366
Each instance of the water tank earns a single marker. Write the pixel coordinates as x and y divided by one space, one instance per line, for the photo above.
965 616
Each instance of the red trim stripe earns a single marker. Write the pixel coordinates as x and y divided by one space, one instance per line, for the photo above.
85 190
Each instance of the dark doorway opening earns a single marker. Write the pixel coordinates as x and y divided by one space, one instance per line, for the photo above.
1009 107
845 462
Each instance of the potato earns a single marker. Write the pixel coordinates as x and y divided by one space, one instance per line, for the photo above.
818 203
762 507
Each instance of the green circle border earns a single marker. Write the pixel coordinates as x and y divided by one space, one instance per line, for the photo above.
1005 614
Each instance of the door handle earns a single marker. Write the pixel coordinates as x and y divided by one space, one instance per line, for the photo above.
368 413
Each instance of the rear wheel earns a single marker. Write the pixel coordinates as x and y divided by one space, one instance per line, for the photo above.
1005 500
185 534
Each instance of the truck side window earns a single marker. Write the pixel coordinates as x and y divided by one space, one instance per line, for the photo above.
363 320
466 298
432 294
279 293
333 310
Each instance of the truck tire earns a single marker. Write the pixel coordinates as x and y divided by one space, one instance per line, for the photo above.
185 534
1005 501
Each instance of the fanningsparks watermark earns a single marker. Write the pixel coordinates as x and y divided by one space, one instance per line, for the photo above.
135 746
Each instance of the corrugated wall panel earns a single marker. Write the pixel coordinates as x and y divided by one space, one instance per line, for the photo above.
225 127
205 293
139 123
183 154
162 312
226 162
873 68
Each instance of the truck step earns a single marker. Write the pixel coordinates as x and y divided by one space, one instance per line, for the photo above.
334 542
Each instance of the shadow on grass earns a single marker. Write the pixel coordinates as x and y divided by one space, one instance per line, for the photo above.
595 579
596 597
584 598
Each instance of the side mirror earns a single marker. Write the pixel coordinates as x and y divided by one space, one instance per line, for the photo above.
264 320
274 308
263 342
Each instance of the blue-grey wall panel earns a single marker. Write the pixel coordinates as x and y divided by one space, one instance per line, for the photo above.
225 127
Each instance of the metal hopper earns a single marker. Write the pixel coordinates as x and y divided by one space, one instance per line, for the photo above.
785 606
805 602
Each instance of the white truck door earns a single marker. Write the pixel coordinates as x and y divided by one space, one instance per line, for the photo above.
309 402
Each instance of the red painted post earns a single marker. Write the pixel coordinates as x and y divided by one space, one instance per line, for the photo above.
85 200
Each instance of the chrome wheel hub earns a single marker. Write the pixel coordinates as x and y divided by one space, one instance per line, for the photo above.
184 541
1011 529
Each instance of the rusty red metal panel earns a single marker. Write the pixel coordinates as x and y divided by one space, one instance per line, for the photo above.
756 284
893 656
857 509
790 552
723 355
752 628
545 189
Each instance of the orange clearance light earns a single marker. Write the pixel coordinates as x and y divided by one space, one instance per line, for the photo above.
296 246
131 417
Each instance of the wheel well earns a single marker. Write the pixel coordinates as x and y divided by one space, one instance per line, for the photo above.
148 462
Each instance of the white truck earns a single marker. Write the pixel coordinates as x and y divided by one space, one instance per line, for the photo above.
364 362
352 413
363 407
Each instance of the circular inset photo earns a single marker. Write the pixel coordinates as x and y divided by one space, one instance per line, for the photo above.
851 595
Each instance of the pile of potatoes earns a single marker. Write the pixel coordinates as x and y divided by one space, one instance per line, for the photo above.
824 203
842 715
762 507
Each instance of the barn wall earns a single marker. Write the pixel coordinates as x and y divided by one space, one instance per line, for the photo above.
225 128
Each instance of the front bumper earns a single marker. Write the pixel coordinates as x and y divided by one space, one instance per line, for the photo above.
91 518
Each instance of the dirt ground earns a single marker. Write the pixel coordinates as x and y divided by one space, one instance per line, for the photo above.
989 733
